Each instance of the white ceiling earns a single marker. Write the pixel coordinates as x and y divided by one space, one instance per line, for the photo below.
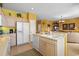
47 10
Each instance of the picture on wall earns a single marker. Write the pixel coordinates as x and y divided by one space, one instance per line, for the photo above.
65 26
71 26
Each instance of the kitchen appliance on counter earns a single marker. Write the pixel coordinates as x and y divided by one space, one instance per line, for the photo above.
22 30
56 26
11 31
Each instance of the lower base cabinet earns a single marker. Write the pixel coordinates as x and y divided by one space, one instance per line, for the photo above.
12 39
50 50
47 47
42 46
35 42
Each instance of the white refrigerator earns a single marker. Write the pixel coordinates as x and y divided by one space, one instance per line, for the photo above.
22 33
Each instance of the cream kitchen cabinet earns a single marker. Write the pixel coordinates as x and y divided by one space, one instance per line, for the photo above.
47 47
51 49
3 20
42 46
11 21
12 39
8 47
35 42
7 21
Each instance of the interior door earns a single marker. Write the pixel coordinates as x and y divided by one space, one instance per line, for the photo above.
25 32
19 33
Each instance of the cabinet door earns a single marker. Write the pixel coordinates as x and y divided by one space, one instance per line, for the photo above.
35 42
12 22
8 52
12 39
48 49
42 46
4 21
52 53
51 49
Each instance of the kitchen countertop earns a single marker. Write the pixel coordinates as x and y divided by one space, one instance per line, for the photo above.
3 44
54 35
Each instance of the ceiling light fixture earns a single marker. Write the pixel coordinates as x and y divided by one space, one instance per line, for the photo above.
32 8
61 20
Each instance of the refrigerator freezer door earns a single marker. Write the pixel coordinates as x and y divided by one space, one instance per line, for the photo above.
25 32
19 26
19 33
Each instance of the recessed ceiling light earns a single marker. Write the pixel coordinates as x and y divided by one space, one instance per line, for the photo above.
32 8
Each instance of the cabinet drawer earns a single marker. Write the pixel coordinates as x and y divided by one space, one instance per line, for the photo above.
45 39
53 42
50 41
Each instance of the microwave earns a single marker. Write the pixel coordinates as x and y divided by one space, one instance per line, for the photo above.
11 31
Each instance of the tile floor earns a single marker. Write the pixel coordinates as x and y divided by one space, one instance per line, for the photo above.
73 49
19 49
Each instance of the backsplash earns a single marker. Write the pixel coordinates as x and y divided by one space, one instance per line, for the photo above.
5 30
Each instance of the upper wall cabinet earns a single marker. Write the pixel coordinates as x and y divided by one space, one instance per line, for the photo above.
3 20
7 21
11 21
8 12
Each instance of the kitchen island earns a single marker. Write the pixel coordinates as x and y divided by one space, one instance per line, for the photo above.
54 44
4 45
